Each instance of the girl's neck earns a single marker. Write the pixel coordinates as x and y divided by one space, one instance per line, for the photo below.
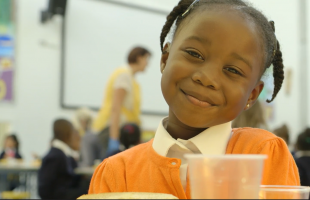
179 130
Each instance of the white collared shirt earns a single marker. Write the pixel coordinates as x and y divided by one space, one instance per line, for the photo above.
212 141
300 154
64 148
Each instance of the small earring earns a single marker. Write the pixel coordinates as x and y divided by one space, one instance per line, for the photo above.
248 105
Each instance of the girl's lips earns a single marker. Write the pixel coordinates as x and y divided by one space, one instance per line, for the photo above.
197 102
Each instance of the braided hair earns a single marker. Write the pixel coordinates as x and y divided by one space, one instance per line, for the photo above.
272 54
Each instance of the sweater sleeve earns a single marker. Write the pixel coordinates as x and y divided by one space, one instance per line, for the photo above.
280 167
102 180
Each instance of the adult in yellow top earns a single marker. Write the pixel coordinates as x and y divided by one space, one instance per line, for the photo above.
121 103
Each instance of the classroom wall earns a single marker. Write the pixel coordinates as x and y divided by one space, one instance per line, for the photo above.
38 69
37 79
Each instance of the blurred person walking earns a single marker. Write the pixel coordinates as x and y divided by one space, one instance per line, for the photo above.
121 104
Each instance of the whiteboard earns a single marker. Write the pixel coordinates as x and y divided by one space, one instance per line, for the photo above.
98 38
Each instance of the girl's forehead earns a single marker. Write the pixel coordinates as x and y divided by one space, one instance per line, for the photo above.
216 25
228 19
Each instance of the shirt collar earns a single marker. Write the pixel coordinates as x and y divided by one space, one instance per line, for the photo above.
58 144
300 154
211 141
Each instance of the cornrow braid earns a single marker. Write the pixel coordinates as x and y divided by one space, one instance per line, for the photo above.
177 10
277 61
273 54
278 73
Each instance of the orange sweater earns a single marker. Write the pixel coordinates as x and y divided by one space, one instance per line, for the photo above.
141 169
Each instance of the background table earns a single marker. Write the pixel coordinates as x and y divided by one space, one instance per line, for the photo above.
28 176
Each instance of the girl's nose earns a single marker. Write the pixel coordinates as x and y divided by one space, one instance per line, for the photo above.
207 76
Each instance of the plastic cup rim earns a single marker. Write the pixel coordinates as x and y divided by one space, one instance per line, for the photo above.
227 156
285 188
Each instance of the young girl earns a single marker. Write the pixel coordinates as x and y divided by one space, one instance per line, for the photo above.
211 71
11 148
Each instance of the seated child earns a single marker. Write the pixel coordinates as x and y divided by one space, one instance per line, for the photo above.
11 151
211 72
75 145
11 148
57 179
302 157
129 136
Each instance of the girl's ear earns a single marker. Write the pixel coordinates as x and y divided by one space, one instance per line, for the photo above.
164 56
254 95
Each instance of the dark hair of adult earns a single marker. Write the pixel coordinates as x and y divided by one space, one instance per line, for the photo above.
273 54
135 53
303 141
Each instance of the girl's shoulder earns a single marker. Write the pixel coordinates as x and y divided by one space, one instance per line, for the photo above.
253 140
253 133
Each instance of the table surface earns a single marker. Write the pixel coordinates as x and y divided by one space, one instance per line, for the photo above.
21 167
18 167
84 170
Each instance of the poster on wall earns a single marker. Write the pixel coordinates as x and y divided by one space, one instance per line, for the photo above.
7 50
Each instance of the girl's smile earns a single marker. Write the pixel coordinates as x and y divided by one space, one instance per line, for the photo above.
198 99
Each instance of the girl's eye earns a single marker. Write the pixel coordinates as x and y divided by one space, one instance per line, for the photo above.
194 54
233 70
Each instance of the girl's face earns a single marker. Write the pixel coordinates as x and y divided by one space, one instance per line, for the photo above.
213 68
9 143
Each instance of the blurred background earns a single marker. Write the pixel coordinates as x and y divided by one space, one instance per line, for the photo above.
51 65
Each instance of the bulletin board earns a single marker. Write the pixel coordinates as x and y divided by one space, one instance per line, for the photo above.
7 50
